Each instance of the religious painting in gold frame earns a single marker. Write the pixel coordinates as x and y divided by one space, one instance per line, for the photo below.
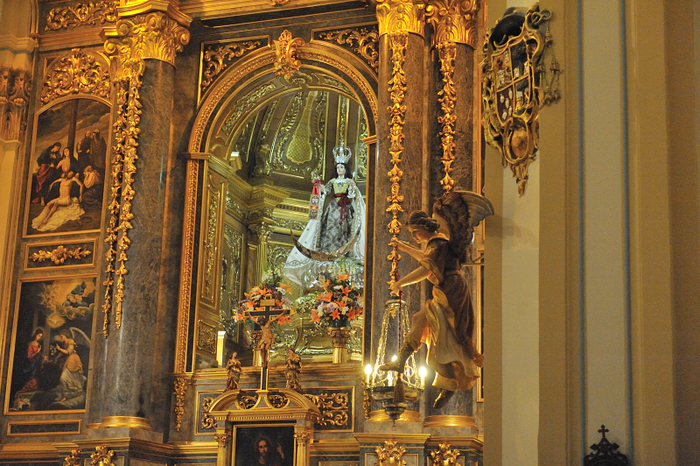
263 444
51 345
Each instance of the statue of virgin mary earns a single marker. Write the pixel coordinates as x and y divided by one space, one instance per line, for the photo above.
340 230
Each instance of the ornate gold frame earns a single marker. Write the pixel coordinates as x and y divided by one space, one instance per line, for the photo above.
53 245
348 69
13 341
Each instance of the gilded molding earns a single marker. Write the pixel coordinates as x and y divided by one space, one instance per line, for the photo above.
102 456
180 390
78 72
334 408
73 459
150 36
400 16
82 14
390 454
444 456
397 119
452 21
187 264
60 254
364 42
217 57
15 87
447 96
278 2
287 63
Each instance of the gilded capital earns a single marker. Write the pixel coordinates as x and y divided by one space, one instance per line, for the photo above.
400 16
452 21
152 35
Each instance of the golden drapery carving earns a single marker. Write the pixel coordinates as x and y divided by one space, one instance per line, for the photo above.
444 456
400 16
150 36
180 389
447 96
397 118
60 254
82 14
287 62
78 72
452 21
390 454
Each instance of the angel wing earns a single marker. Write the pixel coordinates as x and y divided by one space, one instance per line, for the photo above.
79 337
479 207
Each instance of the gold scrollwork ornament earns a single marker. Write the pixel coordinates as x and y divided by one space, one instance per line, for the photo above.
287 62
77 72
73 459
452 20
512 88
364 42
180 390
82 14
60 254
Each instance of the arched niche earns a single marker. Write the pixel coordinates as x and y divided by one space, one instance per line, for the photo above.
242 200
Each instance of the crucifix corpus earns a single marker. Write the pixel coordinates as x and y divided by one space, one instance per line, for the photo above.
264 318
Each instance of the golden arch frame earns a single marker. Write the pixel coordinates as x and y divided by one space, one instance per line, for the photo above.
336 62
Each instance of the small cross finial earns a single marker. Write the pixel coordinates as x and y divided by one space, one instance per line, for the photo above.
603 430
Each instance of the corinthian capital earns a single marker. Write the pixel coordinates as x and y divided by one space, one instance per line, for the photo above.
144 31
452 20
400 16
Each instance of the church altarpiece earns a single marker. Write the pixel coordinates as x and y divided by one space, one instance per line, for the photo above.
271 108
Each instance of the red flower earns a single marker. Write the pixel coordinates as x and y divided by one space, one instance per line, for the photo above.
335 314
315 317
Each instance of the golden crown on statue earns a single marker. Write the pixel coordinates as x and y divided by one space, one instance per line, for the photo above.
342 153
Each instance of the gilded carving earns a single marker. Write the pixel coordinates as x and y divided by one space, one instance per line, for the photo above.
210 246
390 454
447 97
222 438
102 456
15 87
452 21
208 422
247 401
187 264
287 62
363 41
400 16
397 118
334 408
73 459
278 400
82 14
60 254
206 337
180 389
444 456
217 57
278 2
512 78
78 72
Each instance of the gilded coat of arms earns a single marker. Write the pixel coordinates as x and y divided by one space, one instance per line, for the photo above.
512 94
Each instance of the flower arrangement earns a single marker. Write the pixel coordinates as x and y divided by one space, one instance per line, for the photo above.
340 300
271 288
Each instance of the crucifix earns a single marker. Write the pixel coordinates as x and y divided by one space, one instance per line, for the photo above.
264 318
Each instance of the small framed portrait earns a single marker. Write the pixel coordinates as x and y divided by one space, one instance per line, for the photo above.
263 445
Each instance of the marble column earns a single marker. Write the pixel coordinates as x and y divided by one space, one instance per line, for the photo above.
132 381
451 140
400 137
